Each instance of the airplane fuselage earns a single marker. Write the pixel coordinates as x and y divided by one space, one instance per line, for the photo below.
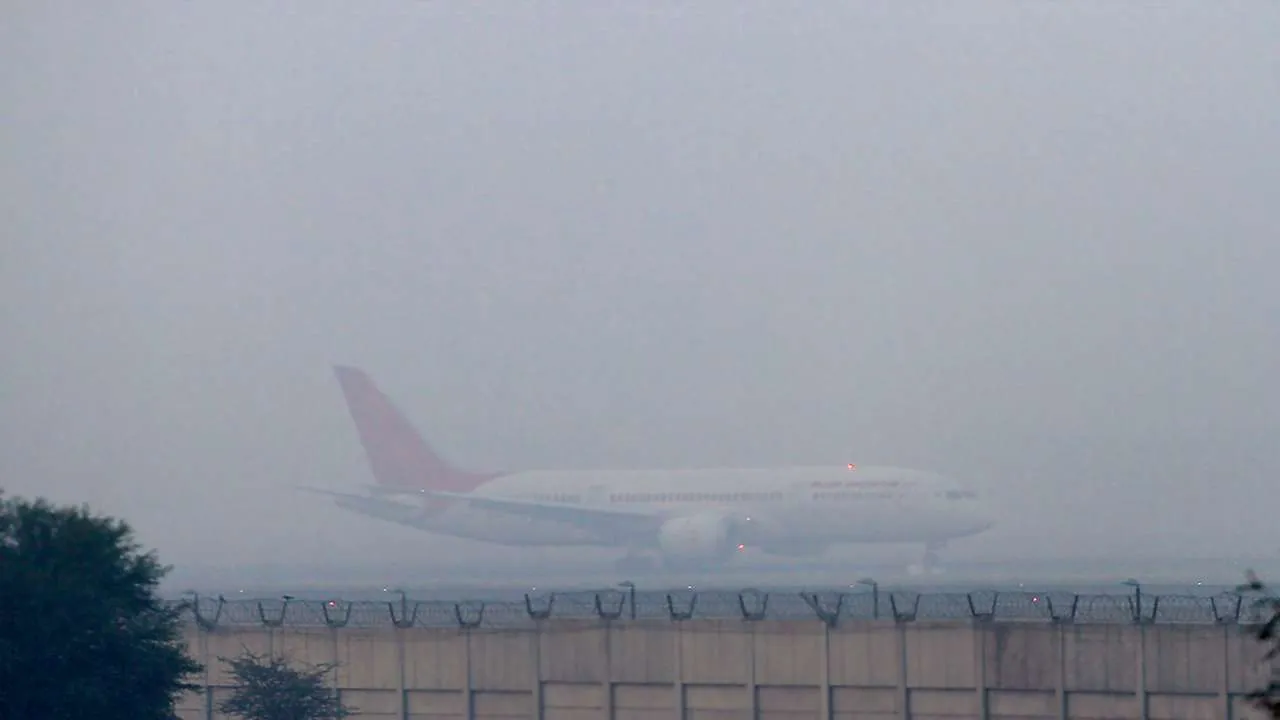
783 507
695 516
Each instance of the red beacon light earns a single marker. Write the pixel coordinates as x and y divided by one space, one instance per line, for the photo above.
852 466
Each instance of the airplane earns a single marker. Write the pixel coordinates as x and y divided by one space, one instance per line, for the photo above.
676 519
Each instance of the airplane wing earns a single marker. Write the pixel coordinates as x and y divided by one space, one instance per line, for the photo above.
590 517
382 490
330 493
374 506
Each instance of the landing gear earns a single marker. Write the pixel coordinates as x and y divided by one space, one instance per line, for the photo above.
929 564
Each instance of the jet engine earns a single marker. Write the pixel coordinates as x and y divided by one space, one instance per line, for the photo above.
698 537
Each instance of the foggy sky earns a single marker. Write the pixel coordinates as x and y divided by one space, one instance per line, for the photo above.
1025 244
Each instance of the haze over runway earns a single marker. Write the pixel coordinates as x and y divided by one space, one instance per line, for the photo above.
1027 246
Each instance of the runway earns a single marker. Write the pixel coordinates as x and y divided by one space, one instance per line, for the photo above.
1088 575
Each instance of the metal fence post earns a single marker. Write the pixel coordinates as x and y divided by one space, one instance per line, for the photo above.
1224 687
607 662
678 650
826 671
203 644
403 671
980 666
1060 689
535 647
1143 704
904 688
751 671
470 706
333 673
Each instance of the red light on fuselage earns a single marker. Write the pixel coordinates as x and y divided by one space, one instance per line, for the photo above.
741 547
852 466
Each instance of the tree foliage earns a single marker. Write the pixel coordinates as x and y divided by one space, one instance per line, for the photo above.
1267 699
83 632
267 687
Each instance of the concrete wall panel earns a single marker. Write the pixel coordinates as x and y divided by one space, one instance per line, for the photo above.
716 697
374 704
502 705
501 661
943 703
642 714
644 697
435 703
1186 659
1023 657
865 654
767 670
559 713
1245 669
571 696
434 658
1102 706
1186 707
573 652
316 643
718 714
643 654
800 700
368 659
1009 704
785 653
852 701
715 652
940 655
231 644
1101 658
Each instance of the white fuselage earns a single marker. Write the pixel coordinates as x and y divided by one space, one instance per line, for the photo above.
687 515
774 508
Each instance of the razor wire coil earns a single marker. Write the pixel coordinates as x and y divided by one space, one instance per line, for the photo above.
829 607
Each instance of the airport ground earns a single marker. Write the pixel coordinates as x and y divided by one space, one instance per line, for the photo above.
1098 574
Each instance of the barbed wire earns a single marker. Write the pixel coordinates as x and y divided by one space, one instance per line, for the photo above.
831 607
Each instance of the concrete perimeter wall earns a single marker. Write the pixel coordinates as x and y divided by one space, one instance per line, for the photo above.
770 670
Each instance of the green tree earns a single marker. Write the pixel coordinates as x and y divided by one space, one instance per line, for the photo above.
269 688
1266 699
83 632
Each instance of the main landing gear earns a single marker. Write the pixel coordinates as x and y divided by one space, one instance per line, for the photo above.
929 564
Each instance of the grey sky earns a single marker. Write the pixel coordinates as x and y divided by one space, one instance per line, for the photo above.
1027 244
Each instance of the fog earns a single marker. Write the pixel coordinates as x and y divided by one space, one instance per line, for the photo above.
1029 245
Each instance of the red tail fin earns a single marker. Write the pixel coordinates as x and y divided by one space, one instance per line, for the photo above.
398 455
